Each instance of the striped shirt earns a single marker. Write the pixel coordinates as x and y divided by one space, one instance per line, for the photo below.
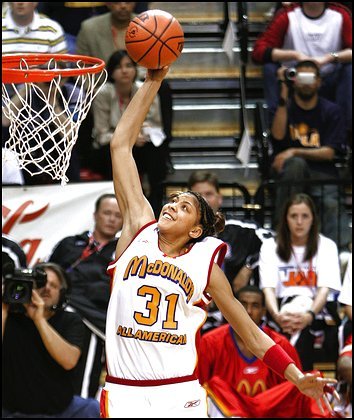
42 35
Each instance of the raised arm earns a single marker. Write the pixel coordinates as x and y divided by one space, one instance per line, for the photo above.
135 208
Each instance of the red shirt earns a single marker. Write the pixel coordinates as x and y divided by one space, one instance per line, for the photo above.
219 355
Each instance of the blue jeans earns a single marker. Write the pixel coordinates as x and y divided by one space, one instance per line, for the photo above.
78 408
336 87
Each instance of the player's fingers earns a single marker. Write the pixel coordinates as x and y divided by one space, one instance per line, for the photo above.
319 404
326 380
328 405
336 395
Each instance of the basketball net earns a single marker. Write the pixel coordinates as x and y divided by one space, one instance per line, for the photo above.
45 116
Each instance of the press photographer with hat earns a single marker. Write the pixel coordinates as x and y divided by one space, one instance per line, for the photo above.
41 347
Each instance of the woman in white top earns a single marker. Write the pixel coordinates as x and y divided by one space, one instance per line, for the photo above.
300 269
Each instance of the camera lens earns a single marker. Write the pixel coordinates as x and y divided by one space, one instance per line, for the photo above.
17 291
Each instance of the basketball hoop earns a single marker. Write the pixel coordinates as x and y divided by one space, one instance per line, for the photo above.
45 98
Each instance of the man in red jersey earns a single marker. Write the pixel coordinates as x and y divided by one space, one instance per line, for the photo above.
239 384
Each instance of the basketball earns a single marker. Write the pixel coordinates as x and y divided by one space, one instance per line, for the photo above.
154 39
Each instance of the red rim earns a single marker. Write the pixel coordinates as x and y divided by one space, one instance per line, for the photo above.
12 73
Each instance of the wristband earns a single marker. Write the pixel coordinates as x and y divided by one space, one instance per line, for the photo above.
312 313
277 359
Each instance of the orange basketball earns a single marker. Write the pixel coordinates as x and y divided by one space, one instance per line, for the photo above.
154 39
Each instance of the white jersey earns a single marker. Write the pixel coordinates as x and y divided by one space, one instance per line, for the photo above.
298 278
156 308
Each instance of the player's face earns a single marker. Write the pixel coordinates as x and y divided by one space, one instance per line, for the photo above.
252 302
50 293
299 219
180 215
108 218
208 191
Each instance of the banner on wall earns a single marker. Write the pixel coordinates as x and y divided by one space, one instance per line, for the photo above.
38 217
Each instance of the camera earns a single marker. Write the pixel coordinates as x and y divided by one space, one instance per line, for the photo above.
304 78
290 74
19 282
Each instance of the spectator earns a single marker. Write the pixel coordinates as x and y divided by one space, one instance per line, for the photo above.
41 347
85 258
25 31
241 261
307 134
317 31
101 36
70 15
299 271
344 364
108 108
239 384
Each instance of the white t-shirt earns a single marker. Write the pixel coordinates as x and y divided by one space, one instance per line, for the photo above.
298 278
345 295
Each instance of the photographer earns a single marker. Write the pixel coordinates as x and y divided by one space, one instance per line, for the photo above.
41 347
307 132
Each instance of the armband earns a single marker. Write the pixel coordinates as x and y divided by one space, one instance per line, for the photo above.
277 359
313 315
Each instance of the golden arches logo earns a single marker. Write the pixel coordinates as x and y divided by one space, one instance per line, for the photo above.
244 387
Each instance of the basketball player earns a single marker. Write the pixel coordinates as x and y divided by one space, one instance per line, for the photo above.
165 271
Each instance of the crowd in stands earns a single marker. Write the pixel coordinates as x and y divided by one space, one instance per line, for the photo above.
288 277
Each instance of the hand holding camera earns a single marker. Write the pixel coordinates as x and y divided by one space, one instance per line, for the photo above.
35 308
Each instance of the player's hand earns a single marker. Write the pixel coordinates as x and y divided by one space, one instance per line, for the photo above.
157 75
315 386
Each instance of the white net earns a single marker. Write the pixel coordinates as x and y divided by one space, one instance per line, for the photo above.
44 118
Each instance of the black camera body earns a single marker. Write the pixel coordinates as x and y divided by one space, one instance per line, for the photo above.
18 284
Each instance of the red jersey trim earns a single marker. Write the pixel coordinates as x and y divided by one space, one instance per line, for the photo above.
221 249
150 382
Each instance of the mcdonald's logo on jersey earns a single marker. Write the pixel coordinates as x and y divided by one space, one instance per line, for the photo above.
244 387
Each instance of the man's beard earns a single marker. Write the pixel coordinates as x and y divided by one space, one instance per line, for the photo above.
306 96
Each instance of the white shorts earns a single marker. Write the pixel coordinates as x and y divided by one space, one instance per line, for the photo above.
184 399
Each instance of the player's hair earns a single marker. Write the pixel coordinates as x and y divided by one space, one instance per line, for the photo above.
251 289
114 62
203 176
212 223
101 198
283 238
